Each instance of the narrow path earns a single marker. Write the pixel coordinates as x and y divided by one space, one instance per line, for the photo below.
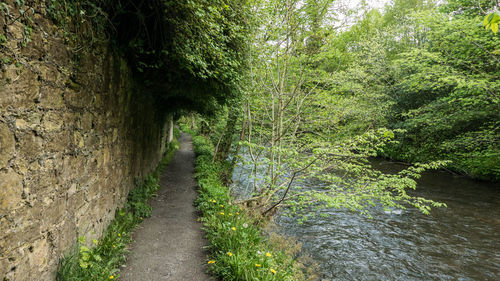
168 246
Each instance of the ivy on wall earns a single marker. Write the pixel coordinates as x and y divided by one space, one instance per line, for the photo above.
190 54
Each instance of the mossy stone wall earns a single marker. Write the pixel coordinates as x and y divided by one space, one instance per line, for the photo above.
74 136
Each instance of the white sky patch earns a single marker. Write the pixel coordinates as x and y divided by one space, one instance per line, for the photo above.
375 4
348 12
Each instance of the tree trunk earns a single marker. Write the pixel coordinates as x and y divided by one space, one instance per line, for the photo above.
170 128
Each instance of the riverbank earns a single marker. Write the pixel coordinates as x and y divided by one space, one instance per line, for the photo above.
238 249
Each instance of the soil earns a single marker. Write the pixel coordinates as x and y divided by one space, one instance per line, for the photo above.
169 244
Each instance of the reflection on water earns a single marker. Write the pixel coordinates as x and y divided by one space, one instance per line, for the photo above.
461 242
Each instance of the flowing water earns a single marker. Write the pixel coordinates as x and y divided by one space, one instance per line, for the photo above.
460 242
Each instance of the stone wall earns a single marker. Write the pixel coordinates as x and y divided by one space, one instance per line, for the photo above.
73 137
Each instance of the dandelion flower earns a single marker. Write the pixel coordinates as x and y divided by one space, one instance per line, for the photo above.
245 225
233 228
268 254
273 271
257 265
222 206
230 254
222 213
119 235
111 277
213 201
211 261
114 246
237 213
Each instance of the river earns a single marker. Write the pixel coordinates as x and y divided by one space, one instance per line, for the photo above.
460 242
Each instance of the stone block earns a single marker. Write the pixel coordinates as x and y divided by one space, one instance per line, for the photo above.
53 121
4 265
11 189
20 90
78 139
59 142
38 255
66 236
51 97
86 121
47 72
58 51
76 97
54 213
7 145
19 235
30 146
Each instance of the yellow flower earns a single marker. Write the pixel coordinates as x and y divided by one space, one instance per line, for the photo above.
211 261
233 228
222 206
213 201
114 246
222 213
273 271
111 277
118 236
237 213
230 254
257 265
268 254
230 214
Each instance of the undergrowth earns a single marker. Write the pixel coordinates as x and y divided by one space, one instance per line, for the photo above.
102 261
238 249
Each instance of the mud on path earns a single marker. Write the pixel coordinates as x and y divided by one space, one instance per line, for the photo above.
169 245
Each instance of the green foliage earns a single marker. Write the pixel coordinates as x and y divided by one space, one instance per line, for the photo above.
238 250
190 54
20 12
468 8
445 94
101 260
83 22
491 21
431 72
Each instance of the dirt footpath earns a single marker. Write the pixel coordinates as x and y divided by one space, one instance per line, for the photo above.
169 245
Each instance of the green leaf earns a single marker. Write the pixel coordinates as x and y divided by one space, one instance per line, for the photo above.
496 18
491 21
494 27
97 258
81 239
84 264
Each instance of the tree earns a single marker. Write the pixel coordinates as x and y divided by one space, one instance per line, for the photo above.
291 138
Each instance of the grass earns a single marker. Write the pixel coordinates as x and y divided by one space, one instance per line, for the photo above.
238 249
103 260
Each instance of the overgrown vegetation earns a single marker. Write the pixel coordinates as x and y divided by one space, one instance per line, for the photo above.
102 261
189 54
238 249
430 71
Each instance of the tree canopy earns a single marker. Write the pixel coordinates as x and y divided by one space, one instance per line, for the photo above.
190 54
